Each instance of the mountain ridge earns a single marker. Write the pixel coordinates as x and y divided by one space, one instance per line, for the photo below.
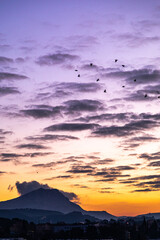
51 200
39 199
44 216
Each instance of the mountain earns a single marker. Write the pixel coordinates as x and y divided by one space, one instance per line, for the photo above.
46 199
101 215
44 216
51 200
150 215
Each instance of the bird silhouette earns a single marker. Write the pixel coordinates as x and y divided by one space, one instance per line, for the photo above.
76 70
123 86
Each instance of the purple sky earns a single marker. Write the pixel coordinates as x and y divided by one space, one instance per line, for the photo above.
56 126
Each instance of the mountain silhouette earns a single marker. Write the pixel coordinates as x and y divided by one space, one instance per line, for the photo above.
150 215
51 200
44 216
45 199
101 215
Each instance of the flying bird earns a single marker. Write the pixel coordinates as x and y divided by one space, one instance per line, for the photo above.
98 80
105 91
123 65
76 70
79 75
158 96
91 64
116 60
135 80
145 95
123 86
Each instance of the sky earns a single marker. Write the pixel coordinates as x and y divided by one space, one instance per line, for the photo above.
65 132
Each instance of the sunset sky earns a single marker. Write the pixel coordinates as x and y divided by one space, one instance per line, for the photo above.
63 130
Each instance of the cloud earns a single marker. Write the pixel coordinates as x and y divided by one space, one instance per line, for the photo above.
11 76
103 161
57 177
71 196
111 174
10 155
153 185
65 89
42 111
4 132
154 164
10 188
133 142
71 127
80 186
51 164
39 154
144 138
20 60
106 191
49 137
56 59
5 157
5 60
68 107
143 190
45 165
8 90
31 146
145 186
38 113
93 68
4 47
146 177
125 130
81 42
117 117
77 169
26 187
78 87
151 156
139 96
143 76
136 39
123 168
85 105
146 25
150 116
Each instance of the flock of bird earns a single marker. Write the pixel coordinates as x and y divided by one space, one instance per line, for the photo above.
105 91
